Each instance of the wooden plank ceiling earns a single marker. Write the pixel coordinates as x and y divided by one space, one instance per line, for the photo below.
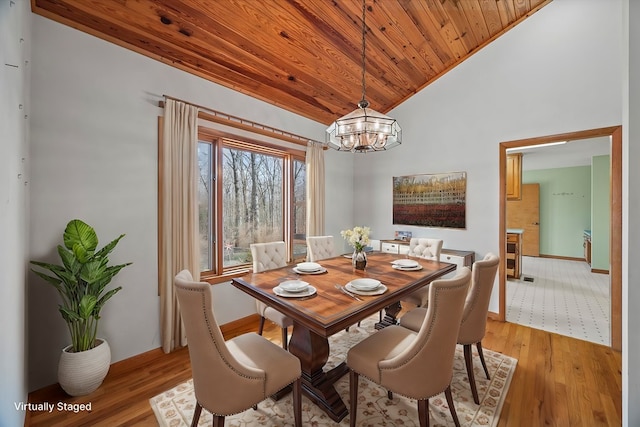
302 55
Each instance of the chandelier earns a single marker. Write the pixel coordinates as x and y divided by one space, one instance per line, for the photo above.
364 129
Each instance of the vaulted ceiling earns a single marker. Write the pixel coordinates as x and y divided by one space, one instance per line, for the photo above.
302 55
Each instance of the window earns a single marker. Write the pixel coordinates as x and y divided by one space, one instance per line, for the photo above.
248 193
299 209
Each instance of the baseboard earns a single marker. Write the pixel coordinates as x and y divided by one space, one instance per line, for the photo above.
228 331
593 270
568 258
134 362
239 326
493 316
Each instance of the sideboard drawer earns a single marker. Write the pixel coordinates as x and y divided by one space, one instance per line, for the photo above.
391 248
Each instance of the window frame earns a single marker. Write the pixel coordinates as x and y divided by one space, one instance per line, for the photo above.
219 140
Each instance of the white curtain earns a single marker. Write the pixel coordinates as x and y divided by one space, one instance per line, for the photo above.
315 189
178 214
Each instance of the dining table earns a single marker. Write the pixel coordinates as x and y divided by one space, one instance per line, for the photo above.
329 307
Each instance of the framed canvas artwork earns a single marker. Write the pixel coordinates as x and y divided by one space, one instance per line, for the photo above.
430 200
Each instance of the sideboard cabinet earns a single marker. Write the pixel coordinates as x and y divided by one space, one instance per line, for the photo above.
453 256
395 247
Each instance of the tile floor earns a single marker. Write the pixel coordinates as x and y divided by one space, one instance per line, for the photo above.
564 297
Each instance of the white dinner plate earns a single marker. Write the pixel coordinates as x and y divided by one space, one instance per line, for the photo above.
365 284
282 293
297 270
381 289
309 266
401 268
293 286
405 263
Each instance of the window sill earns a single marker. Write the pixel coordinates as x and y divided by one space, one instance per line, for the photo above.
225 277
214 279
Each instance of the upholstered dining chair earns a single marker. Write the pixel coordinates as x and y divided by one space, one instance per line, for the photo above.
474 317
233 376
417 365
320 247
428 249
425 248
267 256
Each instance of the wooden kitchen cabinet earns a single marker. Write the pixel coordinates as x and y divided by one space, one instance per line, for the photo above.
514 255
514 176
587 247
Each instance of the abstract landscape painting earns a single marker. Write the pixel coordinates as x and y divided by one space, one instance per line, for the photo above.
430 200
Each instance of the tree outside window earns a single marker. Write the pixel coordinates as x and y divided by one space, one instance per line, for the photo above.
248 194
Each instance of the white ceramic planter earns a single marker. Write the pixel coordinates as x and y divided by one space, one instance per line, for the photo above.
82 373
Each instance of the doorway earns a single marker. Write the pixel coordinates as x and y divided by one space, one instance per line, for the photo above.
615 247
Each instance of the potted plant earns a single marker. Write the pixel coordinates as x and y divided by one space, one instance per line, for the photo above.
82 281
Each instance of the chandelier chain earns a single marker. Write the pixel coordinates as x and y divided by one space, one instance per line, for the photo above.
364 44
364 130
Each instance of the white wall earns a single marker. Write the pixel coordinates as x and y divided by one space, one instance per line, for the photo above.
94 156
15 41
341 211
630 216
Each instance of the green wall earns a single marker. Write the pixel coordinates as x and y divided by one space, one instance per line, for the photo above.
565 208
600 212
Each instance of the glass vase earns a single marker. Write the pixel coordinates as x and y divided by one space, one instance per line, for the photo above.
359 259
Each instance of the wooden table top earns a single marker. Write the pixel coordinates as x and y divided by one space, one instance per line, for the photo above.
329 310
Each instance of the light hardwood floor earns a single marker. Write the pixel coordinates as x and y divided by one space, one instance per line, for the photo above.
559 381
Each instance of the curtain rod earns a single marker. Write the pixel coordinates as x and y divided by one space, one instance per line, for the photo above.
240 123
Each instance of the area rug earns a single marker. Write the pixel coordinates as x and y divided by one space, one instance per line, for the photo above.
174 408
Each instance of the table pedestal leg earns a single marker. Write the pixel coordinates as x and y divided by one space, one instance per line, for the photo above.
390 318
313 352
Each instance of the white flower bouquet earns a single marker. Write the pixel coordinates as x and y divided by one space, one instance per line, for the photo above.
358 237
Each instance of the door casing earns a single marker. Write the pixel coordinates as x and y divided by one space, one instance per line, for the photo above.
615 205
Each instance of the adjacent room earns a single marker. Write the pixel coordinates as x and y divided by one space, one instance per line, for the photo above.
560 281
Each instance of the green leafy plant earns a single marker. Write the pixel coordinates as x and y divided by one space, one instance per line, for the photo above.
81 281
